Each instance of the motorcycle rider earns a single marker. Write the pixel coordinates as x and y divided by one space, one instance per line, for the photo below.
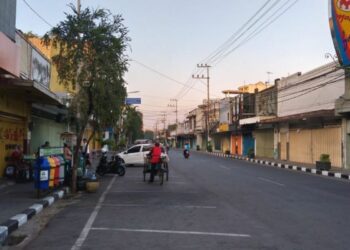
155 155
186 149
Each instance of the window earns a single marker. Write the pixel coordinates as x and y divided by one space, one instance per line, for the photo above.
134 149
146 148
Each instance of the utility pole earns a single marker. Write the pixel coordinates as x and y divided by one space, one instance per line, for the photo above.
208 96
78 7
163 120
176 112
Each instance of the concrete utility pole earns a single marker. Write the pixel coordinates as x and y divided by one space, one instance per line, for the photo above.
208 96
176 112
78 6
163 120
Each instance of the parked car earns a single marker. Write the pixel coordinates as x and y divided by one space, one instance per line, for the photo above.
136 154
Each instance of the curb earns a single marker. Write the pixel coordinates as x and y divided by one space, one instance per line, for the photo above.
285 166
12 224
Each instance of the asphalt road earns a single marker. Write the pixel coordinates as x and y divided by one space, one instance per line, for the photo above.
208 203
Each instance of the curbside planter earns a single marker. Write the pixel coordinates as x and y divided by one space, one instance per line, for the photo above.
92 186
323 165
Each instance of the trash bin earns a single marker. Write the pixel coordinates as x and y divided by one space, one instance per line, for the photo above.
57 171
42 173
61 169
52 171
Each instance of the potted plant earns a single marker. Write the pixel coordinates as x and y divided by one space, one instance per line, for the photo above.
324 163
92 184
250 153
198 148
227 152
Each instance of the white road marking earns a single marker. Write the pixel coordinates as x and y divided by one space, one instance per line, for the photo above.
170 182
165 192
169 206
224 167
170 232
271 181
84 233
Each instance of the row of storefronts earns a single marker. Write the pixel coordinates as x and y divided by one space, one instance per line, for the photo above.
294 120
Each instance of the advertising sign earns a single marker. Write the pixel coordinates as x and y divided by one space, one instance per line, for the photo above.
130 101
339 21
40 69
50 151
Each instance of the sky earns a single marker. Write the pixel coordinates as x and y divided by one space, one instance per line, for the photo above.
169 39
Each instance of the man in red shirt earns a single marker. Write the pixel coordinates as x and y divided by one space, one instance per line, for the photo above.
155 154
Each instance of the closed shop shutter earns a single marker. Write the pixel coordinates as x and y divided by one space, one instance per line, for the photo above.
300 146
264 143
283 145
248 143
327 141
46 130
236 144
307 145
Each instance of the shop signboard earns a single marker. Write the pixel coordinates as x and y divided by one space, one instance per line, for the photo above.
131 101
339 21
40 69
50 151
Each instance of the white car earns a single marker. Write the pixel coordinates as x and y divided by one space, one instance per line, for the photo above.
136 154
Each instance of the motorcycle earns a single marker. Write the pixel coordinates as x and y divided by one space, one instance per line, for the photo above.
115 166
20 171
186 153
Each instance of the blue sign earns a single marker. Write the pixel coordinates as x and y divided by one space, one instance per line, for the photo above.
131 101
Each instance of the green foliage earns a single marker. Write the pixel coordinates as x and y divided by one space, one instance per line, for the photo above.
149 134
251 153
111 144
325 158
133 124
209 148
122 144
92 56
92 59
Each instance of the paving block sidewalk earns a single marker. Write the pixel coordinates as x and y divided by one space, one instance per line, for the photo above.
19 202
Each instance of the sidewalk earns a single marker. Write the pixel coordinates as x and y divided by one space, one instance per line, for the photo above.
303 167
19 202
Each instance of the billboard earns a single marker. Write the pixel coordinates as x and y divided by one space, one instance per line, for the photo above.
339 21
40 69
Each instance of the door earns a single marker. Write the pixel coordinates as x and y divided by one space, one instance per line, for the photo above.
132 155
248 144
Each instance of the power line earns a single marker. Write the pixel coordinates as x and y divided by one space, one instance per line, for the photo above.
36 13
257 31
162 74
243 30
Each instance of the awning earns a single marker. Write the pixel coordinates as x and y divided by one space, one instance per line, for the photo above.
32 91
255 119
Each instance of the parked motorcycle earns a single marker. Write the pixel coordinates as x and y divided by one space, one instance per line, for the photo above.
186 153
20 171
115 166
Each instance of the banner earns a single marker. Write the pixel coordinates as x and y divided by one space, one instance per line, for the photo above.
339 22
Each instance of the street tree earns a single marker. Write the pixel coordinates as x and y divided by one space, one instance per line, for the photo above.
92 58
149 134
133 124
